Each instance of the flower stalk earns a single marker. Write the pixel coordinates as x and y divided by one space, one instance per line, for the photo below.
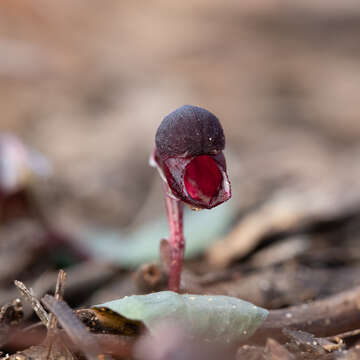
175 210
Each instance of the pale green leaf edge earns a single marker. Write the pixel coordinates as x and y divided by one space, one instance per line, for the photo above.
213 318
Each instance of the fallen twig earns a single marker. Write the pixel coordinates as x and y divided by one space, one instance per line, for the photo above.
339 337
323 318
35 302
74 328
59 293
290 283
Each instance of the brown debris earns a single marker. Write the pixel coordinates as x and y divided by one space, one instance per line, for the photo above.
286 212
73 327
339 338
10 316
149 278
275 351
323 318
40 352
302 341
280 214
250 352
353 354
285 284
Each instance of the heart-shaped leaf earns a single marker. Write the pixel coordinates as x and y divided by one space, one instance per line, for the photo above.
213 318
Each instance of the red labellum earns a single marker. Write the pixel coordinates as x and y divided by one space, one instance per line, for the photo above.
200 181
202 178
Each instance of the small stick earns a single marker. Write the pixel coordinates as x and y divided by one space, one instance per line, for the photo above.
339 337
34 301
74 328
323 318
175 211
59 293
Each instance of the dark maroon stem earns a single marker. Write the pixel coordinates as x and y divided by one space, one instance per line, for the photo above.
175 209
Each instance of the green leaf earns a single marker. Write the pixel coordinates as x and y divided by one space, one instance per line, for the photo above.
215 318
202 228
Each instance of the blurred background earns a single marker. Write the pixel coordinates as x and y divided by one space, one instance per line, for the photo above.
87 83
